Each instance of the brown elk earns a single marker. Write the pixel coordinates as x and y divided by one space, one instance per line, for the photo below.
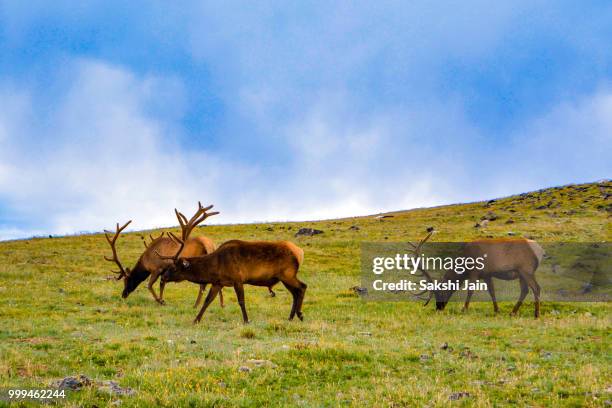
506 259
236 263
150 265
203 286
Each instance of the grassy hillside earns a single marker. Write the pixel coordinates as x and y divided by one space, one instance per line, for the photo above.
60 316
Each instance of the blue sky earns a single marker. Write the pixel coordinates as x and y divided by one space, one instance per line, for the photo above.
293 111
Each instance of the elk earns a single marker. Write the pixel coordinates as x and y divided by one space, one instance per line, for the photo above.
150 265
506 259
236 263
226 244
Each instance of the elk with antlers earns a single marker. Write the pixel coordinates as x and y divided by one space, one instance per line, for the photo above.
150 265
236 263
506 259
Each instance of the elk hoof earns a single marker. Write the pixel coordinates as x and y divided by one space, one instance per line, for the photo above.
161 302
300 316
272 294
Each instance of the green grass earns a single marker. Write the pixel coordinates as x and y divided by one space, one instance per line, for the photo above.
60 316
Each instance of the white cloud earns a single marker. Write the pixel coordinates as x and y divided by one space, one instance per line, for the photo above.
570 143
349 164
100 158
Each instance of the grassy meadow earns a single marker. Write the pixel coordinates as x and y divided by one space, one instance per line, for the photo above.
61 316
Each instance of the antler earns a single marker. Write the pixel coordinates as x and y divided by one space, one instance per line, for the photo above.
153 239
198 217
415 250
122 272
187 226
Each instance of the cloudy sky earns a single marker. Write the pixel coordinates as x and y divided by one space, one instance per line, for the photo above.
293 110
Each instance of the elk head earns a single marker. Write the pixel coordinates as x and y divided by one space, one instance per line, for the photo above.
443 296
177 271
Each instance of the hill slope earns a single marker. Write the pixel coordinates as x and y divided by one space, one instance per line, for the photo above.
61 316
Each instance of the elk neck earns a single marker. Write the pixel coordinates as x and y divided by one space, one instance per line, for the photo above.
202 269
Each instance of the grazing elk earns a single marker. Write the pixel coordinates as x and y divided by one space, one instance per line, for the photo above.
150 265
236 263
506 259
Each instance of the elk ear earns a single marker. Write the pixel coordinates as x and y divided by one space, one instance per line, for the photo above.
186 263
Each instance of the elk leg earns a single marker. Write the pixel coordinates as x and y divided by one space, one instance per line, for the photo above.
491 290
209 298
272 294
240 295
535 288
537 309
152 280
293 291
200 293
221 297
524 291
467 300
303 287
472 277
162 285
297 289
